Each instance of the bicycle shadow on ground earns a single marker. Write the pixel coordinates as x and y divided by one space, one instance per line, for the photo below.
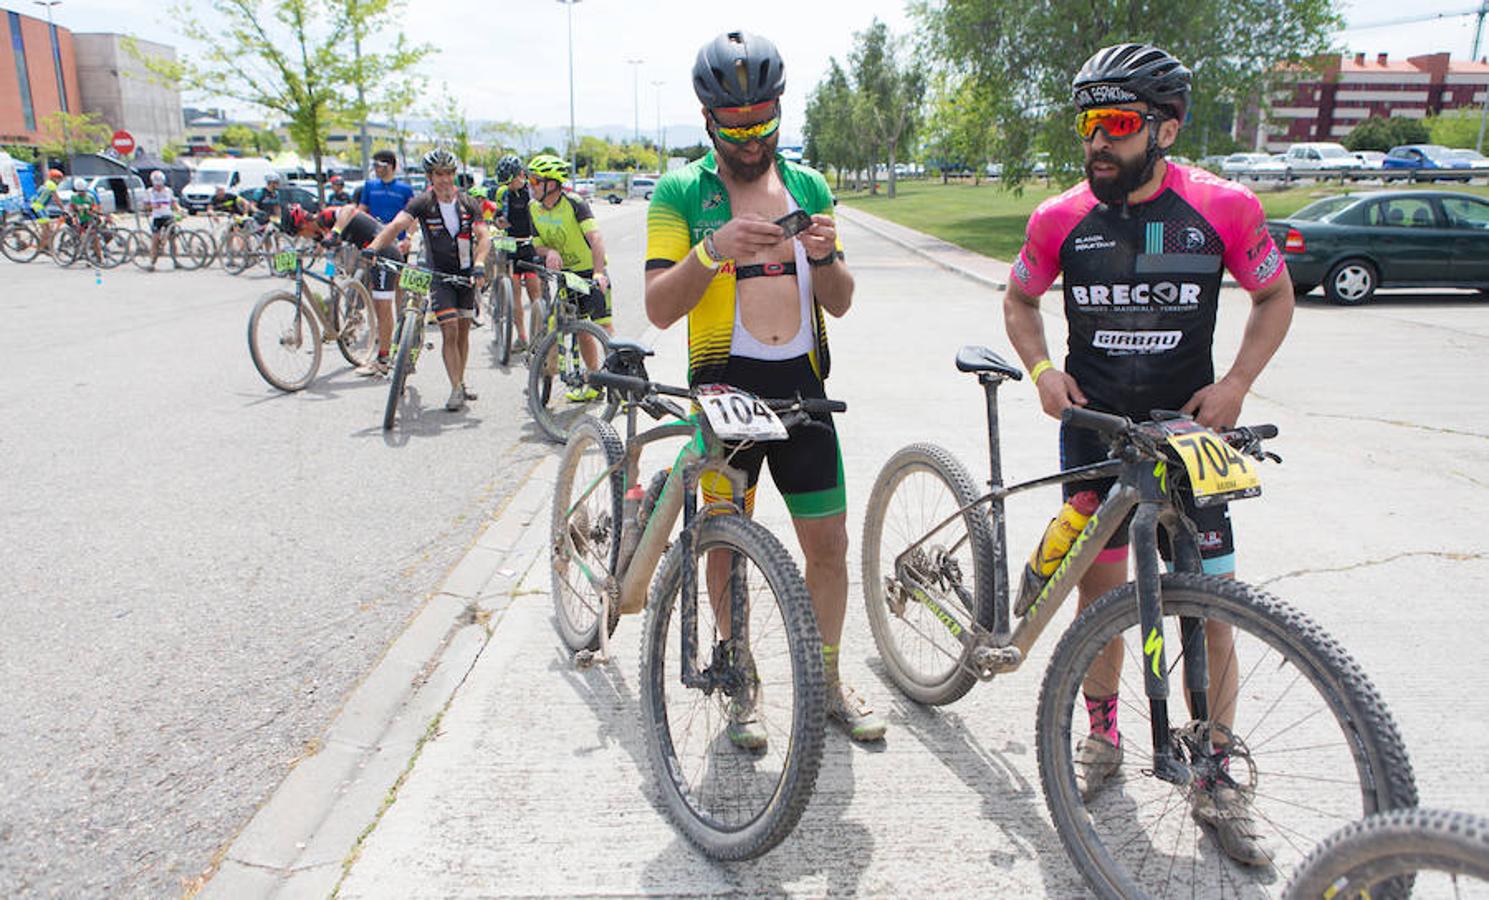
418 421
1008 798
323 388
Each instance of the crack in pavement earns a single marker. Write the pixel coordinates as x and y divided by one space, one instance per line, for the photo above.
1398 423
1440 554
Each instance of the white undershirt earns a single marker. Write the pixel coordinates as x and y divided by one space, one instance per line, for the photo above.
451 217
747 345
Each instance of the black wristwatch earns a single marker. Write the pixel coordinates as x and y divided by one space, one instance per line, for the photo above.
827 260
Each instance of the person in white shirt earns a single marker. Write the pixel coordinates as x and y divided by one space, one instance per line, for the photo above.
161 201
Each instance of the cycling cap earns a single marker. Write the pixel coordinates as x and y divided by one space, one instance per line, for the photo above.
479 192
440 158
1126 73
54 174
546 165
738 68
157 177
508 167
298 215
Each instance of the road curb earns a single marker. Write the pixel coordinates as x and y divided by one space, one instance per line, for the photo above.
298 841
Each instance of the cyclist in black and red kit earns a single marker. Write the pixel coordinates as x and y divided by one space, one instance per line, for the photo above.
1143 244
455 238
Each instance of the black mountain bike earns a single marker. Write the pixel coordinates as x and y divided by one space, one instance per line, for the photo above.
408 337
499 298
557 393
1308 740
607 540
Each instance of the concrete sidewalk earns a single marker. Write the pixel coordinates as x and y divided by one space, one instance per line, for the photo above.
532 779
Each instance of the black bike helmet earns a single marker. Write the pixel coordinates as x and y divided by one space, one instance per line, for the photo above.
738 69
1126 73
507 168
440 158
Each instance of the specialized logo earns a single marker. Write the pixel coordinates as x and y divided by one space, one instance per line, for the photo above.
1100 94
1269 265
1092 242
938 612
1153 648
1164 293
1137 341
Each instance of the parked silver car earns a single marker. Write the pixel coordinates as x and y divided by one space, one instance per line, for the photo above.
1252 165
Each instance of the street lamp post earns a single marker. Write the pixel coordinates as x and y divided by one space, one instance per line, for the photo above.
636 93
573 144
661 151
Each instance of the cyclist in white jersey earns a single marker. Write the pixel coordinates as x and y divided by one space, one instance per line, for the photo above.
161 201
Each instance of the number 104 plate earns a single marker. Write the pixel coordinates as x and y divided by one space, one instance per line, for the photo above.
738 415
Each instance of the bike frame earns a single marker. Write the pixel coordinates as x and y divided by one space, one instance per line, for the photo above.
1141 485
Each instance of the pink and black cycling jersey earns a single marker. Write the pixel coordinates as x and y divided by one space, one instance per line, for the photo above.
1142 285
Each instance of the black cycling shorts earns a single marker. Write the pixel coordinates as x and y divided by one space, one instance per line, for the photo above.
1082 446
526 253
596 306
160 223
807 468
450 302
384 279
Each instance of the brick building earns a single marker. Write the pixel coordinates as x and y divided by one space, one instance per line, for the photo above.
1327 106
38 76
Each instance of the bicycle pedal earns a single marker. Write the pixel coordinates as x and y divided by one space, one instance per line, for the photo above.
588 659
990 661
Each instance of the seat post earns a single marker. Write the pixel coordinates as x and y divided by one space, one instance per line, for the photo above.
990 382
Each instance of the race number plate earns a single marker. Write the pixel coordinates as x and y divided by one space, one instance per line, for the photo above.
284 262
506 244
738 415
1217 473
416 280
575 283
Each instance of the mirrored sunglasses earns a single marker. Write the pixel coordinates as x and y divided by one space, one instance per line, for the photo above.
1117 123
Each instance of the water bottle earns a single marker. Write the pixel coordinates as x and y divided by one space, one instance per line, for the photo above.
1058 536
630 533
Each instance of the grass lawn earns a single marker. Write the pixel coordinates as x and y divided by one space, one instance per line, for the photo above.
990 219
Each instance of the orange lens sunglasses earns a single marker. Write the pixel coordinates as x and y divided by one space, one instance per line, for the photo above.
1117 123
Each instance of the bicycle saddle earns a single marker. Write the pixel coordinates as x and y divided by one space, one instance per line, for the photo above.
629 350
972 358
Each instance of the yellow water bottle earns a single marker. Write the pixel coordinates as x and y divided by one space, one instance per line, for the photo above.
1058 536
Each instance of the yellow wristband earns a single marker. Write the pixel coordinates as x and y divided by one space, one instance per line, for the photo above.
1044 365
703 257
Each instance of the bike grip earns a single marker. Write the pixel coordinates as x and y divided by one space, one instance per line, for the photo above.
815 405
1091 420
624 383
1265 432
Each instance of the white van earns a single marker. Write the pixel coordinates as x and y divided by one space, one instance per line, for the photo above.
237 175
642 186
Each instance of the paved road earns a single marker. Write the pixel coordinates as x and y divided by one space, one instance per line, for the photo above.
535 783
198 568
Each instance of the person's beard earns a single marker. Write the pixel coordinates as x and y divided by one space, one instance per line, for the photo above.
739 170
1131 175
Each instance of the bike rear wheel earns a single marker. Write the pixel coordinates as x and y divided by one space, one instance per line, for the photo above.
67 246
585 531
19 242
917 634
357 334
731 802
237 253
108 249
501 318
410 340
1445 853
1311 743
284 341
189 249
558 368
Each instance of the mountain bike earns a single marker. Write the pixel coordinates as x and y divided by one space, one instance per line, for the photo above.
608 536
555 363
287 327
1432 853
248 243
408 335
1309 741
99 243
187 249
20 239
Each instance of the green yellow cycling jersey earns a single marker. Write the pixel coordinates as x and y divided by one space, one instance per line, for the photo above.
564 228
83 206
692 202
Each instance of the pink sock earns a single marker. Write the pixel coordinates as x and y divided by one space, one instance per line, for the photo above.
1103 714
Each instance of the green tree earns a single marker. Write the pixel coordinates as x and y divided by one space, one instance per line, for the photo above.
451 126
1455 128
237 137
397 103
959 128
1025 54
889 87
67 134
1382 133
20 152
830 137
172 151
372 77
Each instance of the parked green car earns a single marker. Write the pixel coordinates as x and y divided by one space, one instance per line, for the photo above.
1353 244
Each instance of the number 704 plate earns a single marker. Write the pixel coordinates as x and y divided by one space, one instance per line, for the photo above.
1217 473
738 415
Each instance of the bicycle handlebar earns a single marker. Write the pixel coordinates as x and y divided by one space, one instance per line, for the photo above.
1111 426
640 387
371 255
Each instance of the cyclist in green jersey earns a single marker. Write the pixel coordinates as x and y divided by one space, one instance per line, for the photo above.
567 231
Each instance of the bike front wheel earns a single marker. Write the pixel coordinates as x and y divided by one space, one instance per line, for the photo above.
555 381
585 531
1309 743
237 253
919 613
410 342
67 246
284 341
189 249
357 333
501 318
733 803
1445 854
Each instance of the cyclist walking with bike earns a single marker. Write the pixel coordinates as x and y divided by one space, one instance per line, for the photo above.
755 300
1143 244
455 241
